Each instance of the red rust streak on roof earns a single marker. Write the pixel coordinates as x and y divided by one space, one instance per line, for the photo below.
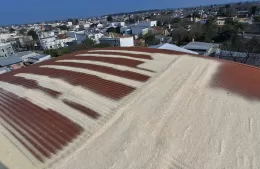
30 84
53 138
83 109
50 134
101 86
108 70
241 79
140 56
111 60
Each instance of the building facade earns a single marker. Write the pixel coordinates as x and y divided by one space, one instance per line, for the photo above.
118 41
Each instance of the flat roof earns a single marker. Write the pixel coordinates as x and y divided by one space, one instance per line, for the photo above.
199 46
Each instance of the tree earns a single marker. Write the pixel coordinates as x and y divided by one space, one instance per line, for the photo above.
209 30
257 19
22 31
175 20
159 23
33 34
227 6
252 47
111 29
11 30
89 42
150 39
253 10
63 27
180 36
196 32
109 19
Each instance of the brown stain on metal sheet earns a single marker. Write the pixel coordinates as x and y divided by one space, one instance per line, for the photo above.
50 131
87 111
30 84
112 60
108 70
101 86
237 78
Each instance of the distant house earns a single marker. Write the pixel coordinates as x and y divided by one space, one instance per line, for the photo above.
122 41
6 50
79 36
137 30
147 24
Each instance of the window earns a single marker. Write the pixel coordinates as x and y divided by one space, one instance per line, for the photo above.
3 50
12 53
5 55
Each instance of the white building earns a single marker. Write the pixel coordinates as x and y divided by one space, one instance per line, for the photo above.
100 26
79 36
137 30
4 37
6 50
95 37
53 43
147 24
118 41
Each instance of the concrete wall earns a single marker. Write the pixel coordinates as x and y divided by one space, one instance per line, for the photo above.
110 41
127 41
148 24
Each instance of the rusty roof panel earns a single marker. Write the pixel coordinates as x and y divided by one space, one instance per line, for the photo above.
103 69
49 109
44 130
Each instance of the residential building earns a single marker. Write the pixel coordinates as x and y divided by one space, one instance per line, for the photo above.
6 50
123 41
137 30
55 43
147 24
10 62
79 36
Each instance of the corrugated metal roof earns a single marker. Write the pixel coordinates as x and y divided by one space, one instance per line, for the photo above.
49 110
172 47
198 46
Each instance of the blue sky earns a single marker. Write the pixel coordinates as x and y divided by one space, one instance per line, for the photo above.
26 11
